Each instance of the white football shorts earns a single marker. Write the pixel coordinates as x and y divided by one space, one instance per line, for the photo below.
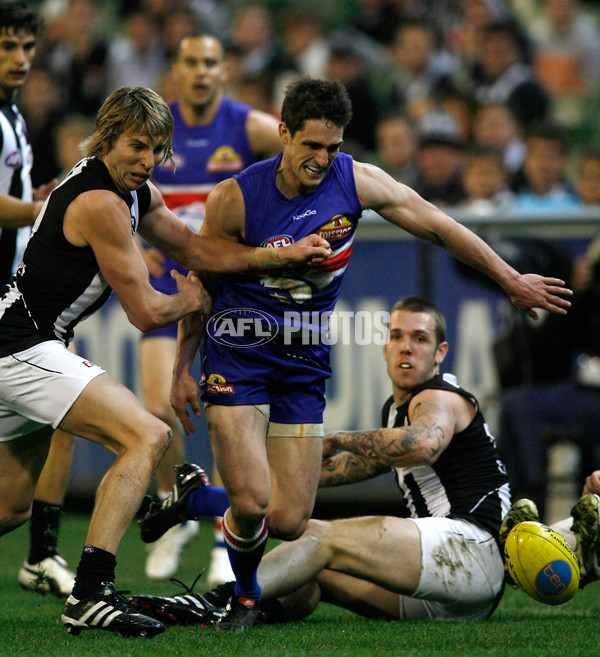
38 386
462 572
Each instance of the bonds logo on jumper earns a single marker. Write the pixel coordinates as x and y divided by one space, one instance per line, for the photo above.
224 159
14 160
242 328
335 229
217 383
279 240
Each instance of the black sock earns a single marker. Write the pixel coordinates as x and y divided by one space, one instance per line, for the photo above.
43 530
96 567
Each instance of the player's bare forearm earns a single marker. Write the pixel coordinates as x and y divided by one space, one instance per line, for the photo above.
190 330
401 447
526 291
347 468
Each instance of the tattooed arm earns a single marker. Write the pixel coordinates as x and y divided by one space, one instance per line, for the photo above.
347 468
435 416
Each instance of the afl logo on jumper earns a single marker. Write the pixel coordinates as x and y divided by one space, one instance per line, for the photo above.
279 240
217 383
335 229
14 160
224 159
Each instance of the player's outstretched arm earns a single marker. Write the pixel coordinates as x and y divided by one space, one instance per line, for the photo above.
433 415
223 251
348 468
403 207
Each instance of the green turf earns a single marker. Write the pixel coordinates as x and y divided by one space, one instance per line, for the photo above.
30 624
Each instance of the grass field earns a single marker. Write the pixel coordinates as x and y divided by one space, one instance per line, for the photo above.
30 623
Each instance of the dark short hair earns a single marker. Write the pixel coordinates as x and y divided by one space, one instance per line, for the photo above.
197 34
18 15
311 98
420 305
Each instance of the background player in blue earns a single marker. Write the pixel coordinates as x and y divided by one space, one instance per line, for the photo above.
214 138
264 404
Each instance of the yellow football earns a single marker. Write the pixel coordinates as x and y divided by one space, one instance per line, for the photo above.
541 563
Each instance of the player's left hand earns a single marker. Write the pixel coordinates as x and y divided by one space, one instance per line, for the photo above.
531 291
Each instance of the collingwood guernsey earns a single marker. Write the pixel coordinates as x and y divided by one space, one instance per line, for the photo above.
467 481
58 284
16 160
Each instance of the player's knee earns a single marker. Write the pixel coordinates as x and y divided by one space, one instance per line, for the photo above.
287 524
11 518
248 508
157 439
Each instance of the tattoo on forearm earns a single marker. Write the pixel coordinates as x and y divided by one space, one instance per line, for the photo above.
347 468
418 443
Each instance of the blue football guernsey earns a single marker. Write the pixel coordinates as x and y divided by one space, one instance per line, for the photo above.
275 362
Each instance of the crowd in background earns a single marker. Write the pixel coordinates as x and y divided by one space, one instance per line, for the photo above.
475 103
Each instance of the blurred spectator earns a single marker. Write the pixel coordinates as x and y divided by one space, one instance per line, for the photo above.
419 68
256 92
396 146
461 106
485 181
378 19
176 24
567 44
495 125
346 65
137 57
588 177
79 60
546 188
503 76
41 103
262 54
304 40
465 36
68 135
440 160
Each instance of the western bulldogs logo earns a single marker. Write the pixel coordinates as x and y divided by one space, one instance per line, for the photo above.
336 229
217 383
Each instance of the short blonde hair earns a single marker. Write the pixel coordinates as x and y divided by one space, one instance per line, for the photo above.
131 109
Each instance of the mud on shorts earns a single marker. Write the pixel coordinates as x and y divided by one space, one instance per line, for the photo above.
38 386
462 572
